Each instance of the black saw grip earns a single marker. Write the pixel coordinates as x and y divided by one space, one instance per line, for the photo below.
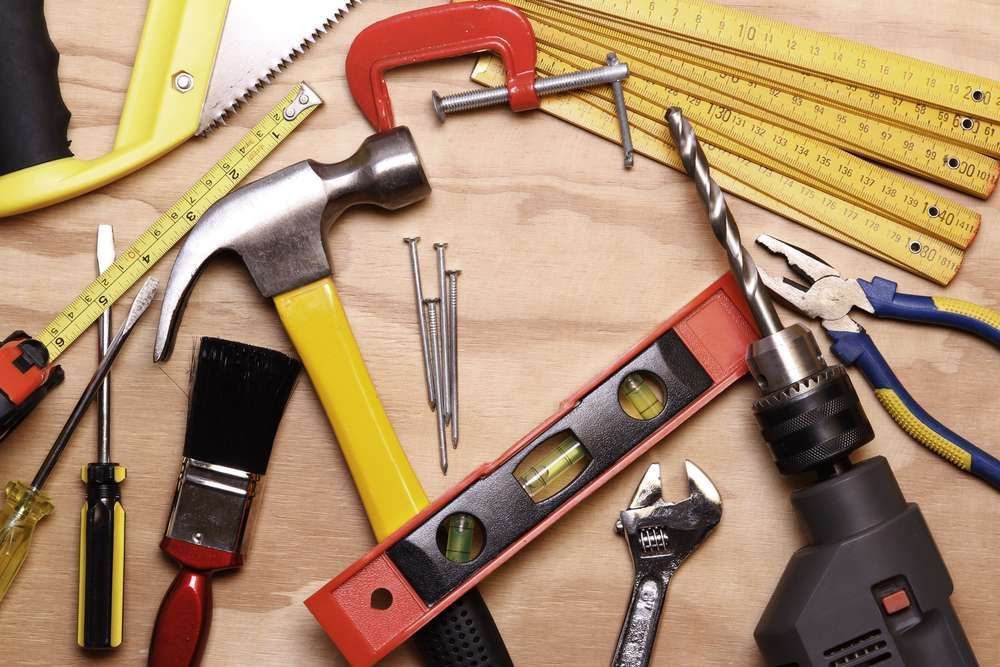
33 118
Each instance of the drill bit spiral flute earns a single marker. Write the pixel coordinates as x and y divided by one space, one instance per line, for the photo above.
872 583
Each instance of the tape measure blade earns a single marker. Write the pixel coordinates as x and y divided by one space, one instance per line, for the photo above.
171 226
811 51
765 139
972 133
900 147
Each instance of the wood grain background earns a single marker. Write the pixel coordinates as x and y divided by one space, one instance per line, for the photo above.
567 260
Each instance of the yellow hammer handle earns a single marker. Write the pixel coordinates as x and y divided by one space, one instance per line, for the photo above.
317 324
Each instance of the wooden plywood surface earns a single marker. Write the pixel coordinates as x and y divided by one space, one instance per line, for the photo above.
567 260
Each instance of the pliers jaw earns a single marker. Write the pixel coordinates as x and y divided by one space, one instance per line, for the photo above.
827 296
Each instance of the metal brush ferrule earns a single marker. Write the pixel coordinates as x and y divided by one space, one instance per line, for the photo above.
212 506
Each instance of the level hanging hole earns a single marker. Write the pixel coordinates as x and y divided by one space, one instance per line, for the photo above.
381 599
460 537
915 247
952 162
978 95
968 123
552 465
933 211
642 395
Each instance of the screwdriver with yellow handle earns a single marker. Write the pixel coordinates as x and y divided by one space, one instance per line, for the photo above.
26 504
102 519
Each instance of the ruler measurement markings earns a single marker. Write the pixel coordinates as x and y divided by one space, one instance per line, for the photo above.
816 52
168 228
766 188
835 218
978 134
986 168
844 171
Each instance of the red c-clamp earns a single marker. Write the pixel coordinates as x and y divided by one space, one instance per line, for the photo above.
440 32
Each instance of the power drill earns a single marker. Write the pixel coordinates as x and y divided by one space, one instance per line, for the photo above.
871 587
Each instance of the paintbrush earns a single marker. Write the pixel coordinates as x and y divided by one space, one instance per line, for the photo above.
238 396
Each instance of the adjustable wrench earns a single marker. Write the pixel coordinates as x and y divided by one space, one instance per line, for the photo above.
660 536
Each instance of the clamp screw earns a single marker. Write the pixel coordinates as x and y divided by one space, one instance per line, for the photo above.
547 85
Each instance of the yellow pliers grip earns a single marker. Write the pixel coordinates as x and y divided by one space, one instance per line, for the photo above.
318 327
857 348
178 37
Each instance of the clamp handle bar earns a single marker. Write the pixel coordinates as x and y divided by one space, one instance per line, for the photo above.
438 32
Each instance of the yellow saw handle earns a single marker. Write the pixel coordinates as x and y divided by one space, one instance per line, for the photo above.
178 36
317 324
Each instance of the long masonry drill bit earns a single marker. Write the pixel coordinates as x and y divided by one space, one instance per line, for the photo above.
722 222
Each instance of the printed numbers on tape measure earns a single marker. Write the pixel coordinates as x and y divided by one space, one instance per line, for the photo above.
168 228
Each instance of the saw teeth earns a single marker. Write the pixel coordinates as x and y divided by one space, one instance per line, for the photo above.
222 117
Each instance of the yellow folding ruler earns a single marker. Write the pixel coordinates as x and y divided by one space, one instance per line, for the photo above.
786 136
178 220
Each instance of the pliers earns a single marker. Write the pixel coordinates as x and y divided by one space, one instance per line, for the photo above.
829 297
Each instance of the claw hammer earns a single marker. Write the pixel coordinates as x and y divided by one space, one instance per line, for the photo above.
277 226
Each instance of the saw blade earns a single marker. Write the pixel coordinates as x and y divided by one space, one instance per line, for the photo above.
256 43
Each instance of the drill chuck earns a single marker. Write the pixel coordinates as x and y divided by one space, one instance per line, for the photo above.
810 415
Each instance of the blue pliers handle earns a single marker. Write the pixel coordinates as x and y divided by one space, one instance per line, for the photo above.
857 348
941 310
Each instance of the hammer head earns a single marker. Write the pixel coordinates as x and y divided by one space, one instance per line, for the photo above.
277 225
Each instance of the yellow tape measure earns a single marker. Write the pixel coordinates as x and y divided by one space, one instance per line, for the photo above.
784 136
178 220
828 214
922 153
806 50
794 154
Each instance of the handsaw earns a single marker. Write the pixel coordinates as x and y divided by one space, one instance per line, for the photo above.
197 61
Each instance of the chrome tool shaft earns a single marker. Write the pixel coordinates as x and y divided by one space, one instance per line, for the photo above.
621 111
418 294
444 396
722 222
544 85
442 381
105 257
139 306
452 307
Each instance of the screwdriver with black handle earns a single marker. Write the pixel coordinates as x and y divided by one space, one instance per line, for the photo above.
26 504
102 519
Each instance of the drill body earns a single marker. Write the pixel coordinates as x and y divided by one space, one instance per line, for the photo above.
871 587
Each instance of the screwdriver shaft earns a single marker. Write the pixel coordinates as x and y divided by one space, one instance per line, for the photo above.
139 306
105 257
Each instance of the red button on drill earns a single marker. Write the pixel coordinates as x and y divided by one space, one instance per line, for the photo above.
896 602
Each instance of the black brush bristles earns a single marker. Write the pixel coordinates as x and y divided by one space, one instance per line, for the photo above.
238 396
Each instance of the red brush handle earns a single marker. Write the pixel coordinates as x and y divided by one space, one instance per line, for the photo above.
183 621
186 611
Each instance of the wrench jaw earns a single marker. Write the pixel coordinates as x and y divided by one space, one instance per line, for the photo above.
660 536
657 530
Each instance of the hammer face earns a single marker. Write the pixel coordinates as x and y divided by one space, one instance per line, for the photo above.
277 224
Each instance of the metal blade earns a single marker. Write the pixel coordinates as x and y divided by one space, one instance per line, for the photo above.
257 42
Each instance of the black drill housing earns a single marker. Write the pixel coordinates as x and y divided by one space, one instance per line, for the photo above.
871 587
